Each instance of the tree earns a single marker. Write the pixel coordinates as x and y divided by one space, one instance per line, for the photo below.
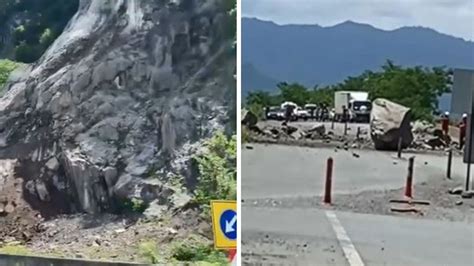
47 37
43 21
417 88
294 92
259 97
324 95
232 9
27 53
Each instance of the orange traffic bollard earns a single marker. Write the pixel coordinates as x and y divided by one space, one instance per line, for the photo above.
327 190
409 184
232 253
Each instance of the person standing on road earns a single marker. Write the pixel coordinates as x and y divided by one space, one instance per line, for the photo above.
288 112
445 123
326 112
344 114
319 112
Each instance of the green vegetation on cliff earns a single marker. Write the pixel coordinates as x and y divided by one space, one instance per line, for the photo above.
217 168
34 24
6 67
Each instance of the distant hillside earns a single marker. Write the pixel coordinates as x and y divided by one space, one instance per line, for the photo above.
311 54
252 78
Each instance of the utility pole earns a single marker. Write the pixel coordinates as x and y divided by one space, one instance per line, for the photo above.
468 149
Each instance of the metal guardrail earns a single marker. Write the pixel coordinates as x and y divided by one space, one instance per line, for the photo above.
12 260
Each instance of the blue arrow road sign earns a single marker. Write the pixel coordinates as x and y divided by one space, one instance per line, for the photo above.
228 223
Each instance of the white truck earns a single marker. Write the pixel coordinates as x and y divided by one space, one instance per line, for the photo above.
357 104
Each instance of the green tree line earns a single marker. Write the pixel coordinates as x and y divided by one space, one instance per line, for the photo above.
418 88
37 24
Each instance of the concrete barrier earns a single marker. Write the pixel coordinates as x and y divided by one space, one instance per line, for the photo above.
10 260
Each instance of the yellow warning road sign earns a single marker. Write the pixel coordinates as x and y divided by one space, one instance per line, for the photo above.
224 223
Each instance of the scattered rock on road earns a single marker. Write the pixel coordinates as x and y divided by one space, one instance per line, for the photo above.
422 127
317 130
456 191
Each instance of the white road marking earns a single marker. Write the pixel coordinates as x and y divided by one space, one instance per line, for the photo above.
348 248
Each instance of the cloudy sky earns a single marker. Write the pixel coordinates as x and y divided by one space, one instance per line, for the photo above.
453 17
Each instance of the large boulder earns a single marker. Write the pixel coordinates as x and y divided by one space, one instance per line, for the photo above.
388 123
249 119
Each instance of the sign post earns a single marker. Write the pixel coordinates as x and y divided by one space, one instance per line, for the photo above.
224 225
463 102
468 150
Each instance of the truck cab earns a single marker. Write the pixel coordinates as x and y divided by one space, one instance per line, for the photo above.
360 110
357 103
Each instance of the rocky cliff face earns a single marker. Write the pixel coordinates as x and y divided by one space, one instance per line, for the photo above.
119 104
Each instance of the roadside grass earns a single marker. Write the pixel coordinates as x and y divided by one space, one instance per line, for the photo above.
15 249
193 250
197 250
149 251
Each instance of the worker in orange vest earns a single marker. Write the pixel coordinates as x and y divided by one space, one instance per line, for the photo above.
445 123
462 130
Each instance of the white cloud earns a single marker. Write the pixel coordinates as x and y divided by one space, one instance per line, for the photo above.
453 17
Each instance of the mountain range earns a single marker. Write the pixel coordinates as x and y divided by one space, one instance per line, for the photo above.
312 54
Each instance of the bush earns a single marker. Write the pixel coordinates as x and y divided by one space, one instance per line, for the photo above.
6 67
133 205
149 251
192 251
257 110
47 37
245 135
27 53
217 169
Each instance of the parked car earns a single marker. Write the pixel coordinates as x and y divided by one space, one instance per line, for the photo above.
302 113
274 113
281 114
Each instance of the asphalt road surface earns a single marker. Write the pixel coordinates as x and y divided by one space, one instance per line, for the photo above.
324 237
305 235
278 171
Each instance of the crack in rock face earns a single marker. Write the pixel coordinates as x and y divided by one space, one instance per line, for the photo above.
128 91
